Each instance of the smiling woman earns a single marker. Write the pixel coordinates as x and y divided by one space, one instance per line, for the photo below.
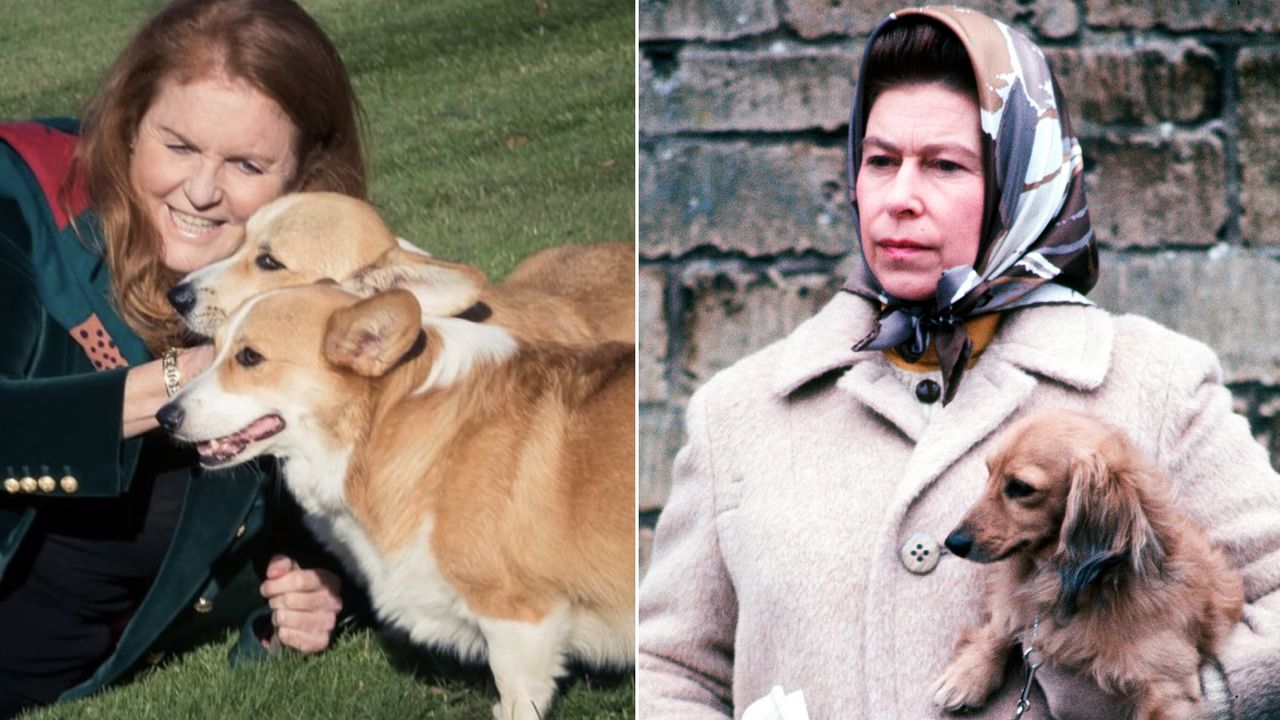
495 129
109 532
206 155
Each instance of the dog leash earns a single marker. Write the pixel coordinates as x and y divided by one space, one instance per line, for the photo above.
1031 661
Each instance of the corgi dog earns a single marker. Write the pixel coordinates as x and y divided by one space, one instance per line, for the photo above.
482 484
572 293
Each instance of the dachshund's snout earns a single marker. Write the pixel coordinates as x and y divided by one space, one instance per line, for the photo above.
960 542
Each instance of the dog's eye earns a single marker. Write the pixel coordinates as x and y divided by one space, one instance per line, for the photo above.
268 263
248 357
1015 488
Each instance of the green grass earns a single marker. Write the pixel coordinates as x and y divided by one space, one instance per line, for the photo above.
495 128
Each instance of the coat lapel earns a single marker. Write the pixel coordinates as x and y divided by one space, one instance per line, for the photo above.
1065 344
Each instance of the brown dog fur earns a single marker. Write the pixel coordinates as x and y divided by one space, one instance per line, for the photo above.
1085 537
576 293
507 482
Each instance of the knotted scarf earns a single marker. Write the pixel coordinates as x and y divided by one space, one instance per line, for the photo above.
1037 245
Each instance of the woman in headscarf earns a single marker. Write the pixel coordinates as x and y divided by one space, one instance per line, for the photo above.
800 544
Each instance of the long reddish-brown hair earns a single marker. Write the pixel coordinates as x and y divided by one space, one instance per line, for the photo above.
275 47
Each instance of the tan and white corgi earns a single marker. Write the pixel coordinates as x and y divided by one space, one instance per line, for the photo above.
571 293
481 483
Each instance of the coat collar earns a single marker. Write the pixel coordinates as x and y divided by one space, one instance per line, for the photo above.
1068 344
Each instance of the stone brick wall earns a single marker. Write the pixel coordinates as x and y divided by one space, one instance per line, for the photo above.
744 231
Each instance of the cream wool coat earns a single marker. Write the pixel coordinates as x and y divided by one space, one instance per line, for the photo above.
776 559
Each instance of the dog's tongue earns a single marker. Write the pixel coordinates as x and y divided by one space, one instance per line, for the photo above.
223 449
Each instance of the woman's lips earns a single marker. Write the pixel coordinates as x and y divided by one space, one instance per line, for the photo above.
191 226
901 249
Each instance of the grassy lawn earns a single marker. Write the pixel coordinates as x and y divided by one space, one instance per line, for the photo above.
495 128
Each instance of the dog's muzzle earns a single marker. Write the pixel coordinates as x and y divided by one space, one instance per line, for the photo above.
182 297
960 542
170 417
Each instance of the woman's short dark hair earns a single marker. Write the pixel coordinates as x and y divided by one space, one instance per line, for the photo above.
915 51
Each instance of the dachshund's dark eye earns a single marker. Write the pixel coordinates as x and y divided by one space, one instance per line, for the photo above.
248 357
1015 489
268 263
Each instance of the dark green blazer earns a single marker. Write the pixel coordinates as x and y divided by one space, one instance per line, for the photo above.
62 390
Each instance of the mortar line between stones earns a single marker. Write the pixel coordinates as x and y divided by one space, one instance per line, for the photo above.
1230 147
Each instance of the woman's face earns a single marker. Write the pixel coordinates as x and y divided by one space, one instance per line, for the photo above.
207 154
920 187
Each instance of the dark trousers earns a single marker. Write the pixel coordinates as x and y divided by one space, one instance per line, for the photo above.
80 572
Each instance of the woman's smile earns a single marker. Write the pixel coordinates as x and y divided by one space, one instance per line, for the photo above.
193 226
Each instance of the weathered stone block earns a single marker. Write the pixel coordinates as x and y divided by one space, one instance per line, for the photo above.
733 313
704 19
819 18
1257 70
1224 297
661 435
1138 86
742 197
653 335
1152 191
1218 15
784 87
1056 19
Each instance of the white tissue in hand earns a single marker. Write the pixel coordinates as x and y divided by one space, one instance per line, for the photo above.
778 705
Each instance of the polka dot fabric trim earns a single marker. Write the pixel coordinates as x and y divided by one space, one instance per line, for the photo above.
98 345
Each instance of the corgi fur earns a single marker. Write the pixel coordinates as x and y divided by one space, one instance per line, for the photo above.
481 483
1082 533
573 293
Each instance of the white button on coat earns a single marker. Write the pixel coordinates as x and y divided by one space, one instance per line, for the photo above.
919 554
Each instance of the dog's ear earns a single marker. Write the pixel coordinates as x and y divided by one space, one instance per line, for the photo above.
1105 527
443 289
372 336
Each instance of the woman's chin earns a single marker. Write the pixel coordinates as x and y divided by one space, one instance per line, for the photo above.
186 254
910 289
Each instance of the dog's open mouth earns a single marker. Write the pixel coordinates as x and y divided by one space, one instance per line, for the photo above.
220 451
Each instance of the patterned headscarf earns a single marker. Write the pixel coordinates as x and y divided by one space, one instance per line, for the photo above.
1037 245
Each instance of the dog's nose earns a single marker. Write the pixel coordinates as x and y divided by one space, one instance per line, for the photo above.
960 542
182 297
170 417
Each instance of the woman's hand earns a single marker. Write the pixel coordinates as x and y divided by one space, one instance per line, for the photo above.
144 389
304 603
193 361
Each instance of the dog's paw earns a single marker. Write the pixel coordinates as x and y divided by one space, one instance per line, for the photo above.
964 684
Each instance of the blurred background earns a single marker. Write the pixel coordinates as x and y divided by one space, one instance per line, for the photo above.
745 230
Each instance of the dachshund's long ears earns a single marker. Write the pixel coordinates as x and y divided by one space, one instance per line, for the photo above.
1105 530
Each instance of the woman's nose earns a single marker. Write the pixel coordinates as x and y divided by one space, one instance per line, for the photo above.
202 187
902 196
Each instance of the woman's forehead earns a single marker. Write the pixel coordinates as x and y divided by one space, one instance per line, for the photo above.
919 116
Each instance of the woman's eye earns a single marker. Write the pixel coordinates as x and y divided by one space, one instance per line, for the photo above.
268 263
1015 489
249 168
178 148
878 161
948 166
248 357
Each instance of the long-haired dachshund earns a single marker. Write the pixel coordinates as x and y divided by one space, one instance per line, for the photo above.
1086 540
